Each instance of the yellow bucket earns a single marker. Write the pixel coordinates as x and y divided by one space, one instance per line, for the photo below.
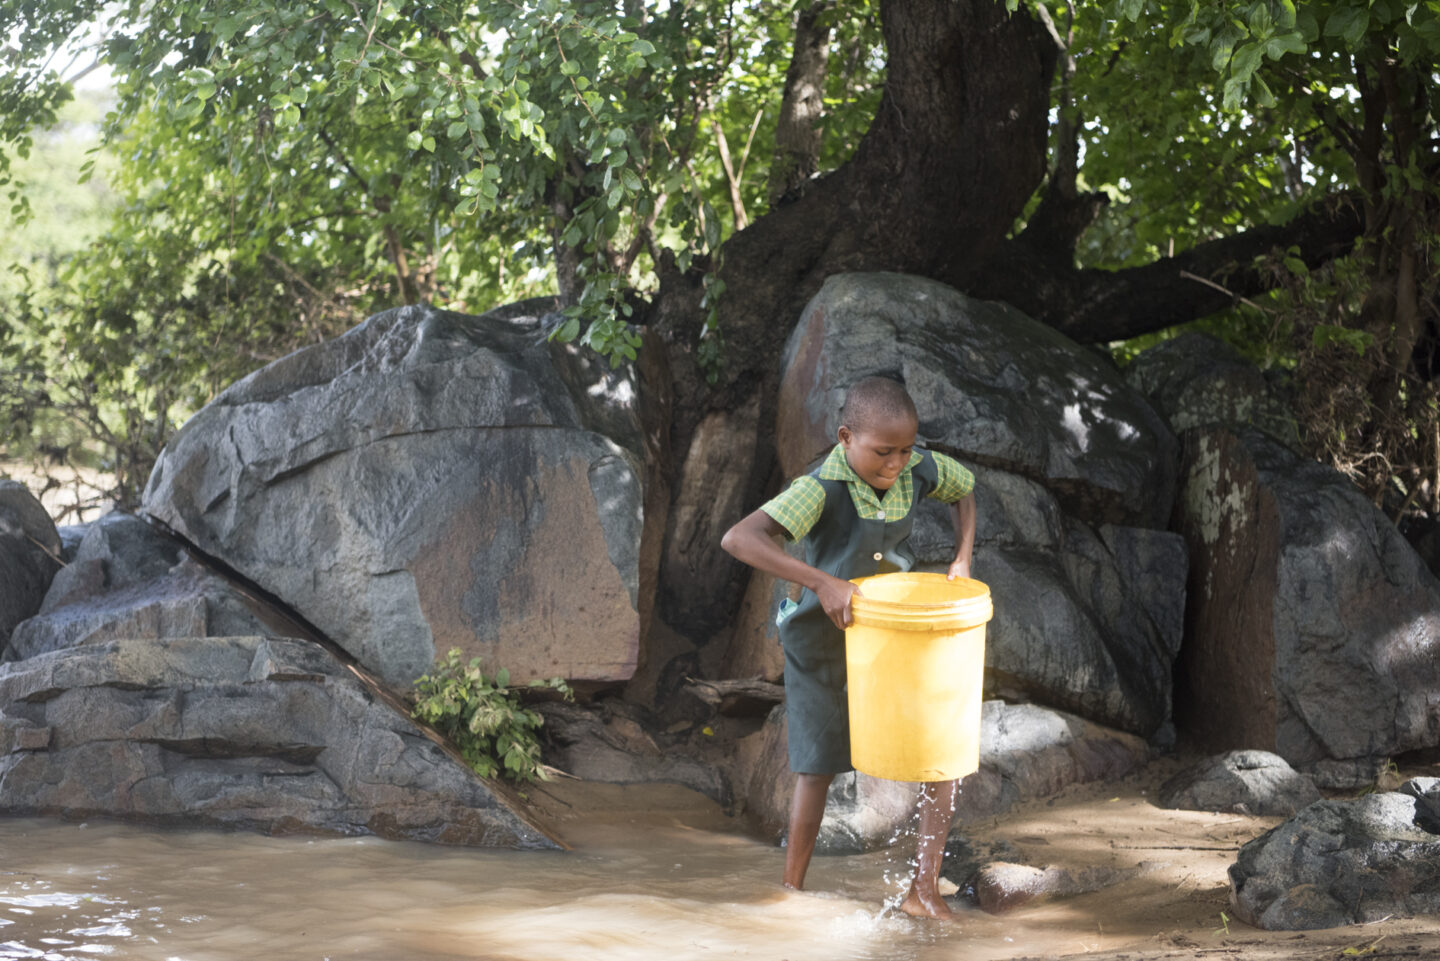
915 656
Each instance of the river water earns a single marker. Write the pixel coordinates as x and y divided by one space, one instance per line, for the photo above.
626 892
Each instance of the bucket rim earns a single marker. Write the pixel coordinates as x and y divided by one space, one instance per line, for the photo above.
971 610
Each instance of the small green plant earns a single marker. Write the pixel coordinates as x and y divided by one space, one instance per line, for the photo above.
1224 925
484 716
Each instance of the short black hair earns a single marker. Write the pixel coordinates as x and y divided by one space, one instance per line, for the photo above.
874 399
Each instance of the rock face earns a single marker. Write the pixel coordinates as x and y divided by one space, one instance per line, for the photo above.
614 748
29 552
1074 472
990 384
268 734
128 581
1245 782
1344 862
1313 628
1196 380
430 480
1025 752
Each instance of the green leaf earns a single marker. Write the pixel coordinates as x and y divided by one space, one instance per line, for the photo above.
1247 58
1349 23
1277 47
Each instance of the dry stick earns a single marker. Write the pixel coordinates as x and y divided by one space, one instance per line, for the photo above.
745 154
48 552
1210 283
737 206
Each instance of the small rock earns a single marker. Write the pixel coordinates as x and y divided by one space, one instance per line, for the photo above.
1002 886
1242 782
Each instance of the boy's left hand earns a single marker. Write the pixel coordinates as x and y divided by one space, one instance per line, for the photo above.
960 568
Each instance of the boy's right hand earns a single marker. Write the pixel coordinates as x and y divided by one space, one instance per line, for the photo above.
834 595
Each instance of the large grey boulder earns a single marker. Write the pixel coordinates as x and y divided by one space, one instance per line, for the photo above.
1314 629
1342 862
29 555
1246 782
126 580
1026 752
990 384
267 734
1073 476
431 480
1196 380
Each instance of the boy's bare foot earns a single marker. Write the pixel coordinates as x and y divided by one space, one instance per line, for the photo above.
930 905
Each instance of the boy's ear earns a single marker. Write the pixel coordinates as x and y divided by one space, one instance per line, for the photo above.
844 435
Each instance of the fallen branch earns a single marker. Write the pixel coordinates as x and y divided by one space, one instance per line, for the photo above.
738 697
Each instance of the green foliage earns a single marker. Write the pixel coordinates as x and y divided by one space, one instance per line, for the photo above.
484 717
283 170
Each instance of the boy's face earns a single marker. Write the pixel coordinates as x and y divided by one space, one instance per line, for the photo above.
878 452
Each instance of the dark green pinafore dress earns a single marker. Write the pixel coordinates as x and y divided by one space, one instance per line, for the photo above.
845 545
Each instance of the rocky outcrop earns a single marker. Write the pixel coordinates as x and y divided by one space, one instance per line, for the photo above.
991 385
1245 782
1313 629
1074 475
126 580
431 480
263 733
1026 752
1344 862
29 556
1196 380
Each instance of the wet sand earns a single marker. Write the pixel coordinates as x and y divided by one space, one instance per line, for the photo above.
655 872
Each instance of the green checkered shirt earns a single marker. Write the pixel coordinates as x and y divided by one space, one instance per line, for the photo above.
799 506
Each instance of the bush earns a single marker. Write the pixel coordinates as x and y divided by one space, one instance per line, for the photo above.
484 717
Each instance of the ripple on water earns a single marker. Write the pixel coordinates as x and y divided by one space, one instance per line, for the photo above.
655 895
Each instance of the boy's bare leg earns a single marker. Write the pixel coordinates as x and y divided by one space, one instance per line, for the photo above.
807 808
937 811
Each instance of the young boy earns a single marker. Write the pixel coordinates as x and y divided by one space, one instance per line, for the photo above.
854 514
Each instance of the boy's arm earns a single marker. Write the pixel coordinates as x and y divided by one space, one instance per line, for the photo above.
752 541
962 518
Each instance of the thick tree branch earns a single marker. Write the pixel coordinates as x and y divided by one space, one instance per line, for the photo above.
1064 213
1095 306
797 132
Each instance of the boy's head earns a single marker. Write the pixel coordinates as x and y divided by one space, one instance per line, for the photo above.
877 429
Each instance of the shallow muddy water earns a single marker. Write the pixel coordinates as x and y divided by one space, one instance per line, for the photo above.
638 891
655 873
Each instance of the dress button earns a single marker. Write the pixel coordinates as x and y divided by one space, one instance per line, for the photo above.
879 515
878 555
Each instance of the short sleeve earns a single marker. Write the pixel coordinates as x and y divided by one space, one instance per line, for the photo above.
955 480
797 507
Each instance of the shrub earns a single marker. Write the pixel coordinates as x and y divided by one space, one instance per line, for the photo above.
495 733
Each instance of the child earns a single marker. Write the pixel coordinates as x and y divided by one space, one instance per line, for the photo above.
854 514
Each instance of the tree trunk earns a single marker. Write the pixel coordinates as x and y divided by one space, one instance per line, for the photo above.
956 149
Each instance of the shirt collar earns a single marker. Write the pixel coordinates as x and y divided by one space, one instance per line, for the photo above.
836 467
